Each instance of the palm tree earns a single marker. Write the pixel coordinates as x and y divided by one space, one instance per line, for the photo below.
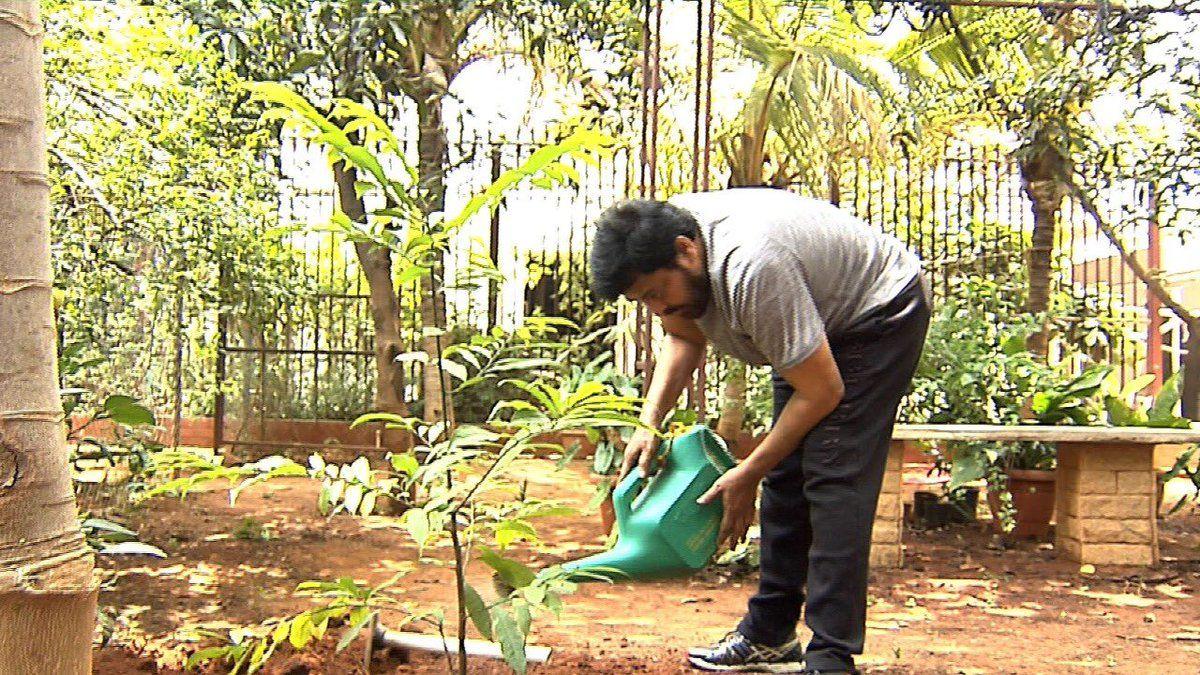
986 65
47 595
823 92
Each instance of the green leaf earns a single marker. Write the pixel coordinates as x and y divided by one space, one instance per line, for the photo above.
125 410
1121 415
512 641
1136 385
416 521
109 530
353 497
512 572
368 503
359 618
967 467
301 631
405 463
512 530
477 609
208 654
1163 410
304 61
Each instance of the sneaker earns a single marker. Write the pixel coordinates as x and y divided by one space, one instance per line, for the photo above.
735 653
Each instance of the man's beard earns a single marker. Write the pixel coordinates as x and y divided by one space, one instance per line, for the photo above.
698 296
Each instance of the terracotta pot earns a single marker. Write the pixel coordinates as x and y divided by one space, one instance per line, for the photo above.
1033 499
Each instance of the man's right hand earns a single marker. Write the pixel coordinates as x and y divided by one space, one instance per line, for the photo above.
640 451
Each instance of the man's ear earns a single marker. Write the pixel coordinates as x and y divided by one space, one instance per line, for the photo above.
687 251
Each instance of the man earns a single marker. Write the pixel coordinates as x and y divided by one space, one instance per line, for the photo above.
839 310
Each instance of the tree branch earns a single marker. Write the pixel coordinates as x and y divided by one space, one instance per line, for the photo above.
1148 277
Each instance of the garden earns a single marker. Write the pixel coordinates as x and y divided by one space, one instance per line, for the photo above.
303 372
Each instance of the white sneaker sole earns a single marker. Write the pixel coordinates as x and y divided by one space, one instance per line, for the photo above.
785 667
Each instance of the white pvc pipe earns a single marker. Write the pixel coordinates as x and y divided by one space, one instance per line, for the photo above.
434 643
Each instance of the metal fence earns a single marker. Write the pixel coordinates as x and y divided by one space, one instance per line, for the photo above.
312 358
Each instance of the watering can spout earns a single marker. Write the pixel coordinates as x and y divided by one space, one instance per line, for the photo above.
662 531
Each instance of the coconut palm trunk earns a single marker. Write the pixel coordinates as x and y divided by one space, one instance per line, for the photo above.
1041 178
47 595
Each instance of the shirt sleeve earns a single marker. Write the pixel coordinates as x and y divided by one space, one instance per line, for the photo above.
775 309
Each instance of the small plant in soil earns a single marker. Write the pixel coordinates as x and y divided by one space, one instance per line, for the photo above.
457 481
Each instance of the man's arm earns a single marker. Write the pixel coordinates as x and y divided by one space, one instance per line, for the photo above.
818 391
682 353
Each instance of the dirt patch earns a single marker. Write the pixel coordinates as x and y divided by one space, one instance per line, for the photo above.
957 607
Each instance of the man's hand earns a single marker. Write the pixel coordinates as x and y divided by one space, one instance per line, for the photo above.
738 490
640 451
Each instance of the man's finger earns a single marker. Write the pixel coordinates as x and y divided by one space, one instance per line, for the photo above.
710 495
646 460
626 465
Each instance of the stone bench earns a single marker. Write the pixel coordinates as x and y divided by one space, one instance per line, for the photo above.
1106 493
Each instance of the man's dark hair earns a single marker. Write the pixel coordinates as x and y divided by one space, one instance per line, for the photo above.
636 237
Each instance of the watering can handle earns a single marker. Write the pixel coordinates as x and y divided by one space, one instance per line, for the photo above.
625 493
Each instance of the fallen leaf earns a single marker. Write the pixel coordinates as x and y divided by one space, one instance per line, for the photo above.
1013 612
1119 599
1087 569
1190 637
884 625
1172 591
961 583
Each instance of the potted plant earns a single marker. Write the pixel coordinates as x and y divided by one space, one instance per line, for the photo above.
1020 476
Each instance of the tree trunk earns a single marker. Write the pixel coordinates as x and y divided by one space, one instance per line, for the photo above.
376 264
47 595
1190 396
433 157
733 403
1040 177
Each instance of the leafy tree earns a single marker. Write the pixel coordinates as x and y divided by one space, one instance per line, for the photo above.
160 195
822 93
383 53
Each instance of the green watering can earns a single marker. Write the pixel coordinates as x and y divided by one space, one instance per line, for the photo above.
663 532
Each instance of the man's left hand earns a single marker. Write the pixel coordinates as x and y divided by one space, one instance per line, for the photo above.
738 490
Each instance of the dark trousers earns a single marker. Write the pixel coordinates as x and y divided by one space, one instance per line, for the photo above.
818 504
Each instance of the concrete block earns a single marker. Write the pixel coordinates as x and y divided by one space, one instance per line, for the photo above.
886 532
1117 554
1117 458
1135 482
1066 480
1110 531
888 507
1067 526
886 555
1097 482
1068 460
1117 506
1068 547
891 482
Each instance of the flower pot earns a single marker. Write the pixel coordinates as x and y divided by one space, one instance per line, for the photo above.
1033 499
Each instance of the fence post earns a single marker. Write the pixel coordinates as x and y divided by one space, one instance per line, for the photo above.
1154 341
493 306
222 336
176 432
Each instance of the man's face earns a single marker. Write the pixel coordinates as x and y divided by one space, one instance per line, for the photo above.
682 290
